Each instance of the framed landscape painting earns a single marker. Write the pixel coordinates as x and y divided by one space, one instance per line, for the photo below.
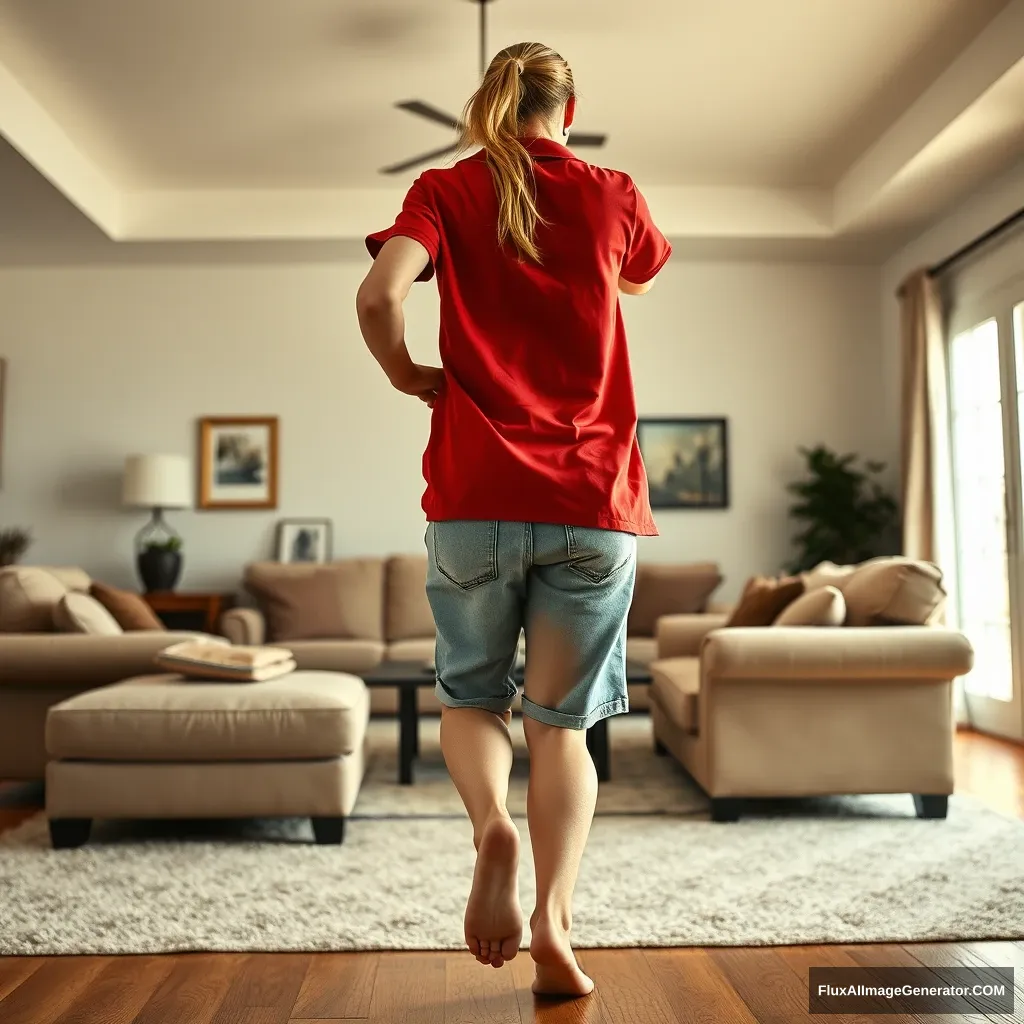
238 462
687 461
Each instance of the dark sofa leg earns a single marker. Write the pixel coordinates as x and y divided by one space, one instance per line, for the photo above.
329 831
726 808
67 833
659 748
930 805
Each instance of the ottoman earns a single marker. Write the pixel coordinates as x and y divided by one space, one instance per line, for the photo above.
162 746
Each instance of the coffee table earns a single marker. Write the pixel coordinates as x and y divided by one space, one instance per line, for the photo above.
407 677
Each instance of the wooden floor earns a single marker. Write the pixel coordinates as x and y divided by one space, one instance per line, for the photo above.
663 986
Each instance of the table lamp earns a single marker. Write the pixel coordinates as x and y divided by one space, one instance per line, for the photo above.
158 482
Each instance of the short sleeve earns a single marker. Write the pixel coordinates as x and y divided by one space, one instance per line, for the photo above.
418 221
648 247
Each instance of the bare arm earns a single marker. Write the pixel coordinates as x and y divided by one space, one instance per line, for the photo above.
382 321
628 288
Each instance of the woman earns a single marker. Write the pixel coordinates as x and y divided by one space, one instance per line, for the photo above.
535 486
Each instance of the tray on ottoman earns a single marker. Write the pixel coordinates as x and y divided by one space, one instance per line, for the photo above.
161 746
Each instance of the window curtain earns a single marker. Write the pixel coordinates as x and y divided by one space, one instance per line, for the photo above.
926 459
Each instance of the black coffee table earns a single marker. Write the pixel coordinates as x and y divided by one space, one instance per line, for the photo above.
407 677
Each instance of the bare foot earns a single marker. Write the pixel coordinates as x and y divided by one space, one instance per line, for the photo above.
558 974
494 919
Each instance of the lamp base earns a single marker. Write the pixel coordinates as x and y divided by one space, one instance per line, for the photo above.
159 570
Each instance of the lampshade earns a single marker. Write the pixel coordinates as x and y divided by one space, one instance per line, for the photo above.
157 481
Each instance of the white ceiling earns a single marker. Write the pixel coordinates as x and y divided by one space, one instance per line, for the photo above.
788 119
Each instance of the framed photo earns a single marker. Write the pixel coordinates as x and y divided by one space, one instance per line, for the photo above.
687 462
304 540
238 462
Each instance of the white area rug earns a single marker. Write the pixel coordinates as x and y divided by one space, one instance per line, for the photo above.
845 870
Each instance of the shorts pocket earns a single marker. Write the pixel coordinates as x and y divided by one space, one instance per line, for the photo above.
597 555
466 551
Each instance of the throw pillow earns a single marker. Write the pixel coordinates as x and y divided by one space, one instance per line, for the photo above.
669 590
823 606
763 600
828 574
354 612
28 597
80 613
894 591
304 606
129 609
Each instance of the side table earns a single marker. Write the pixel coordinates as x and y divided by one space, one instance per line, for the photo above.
189 610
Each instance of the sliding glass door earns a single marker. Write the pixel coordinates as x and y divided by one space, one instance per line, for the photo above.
986 391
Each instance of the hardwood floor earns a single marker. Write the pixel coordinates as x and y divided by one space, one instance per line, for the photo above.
654 986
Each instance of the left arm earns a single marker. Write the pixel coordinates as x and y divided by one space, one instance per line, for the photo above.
382 322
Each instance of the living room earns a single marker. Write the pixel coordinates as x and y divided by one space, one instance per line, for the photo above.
179 262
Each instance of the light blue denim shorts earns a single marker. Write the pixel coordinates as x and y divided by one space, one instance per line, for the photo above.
566 588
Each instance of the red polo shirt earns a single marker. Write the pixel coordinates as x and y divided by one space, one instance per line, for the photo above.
537 419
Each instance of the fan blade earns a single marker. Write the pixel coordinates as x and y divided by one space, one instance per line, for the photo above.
586 139
430 113
421 159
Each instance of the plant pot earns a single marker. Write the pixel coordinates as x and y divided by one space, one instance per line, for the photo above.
159 570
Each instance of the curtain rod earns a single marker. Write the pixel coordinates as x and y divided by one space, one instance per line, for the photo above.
977 243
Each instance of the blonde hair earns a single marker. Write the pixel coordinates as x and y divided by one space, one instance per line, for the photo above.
523 82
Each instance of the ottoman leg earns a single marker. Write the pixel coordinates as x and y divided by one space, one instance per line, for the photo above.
67 833
329 831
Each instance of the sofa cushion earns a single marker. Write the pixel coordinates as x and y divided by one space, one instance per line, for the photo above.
81 613
353 656
893 591
667 589
641 649
407 614
763 599
129 609
412 650
302 716
336 600
28 597
675 687
823 606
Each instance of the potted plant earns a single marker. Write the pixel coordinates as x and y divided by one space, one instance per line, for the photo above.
14 542
845 514
159 563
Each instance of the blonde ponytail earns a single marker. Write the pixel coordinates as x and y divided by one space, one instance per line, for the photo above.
524 81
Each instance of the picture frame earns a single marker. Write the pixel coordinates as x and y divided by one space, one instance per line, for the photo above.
687 461
307 541
238 462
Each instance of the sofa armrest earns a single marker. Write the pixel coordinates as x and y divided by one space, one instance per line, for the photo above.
244 626
75 659
794 653
725 608
680 636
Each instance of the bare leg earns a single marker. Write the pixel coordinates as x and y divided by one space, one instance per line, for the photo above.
478 751
560 806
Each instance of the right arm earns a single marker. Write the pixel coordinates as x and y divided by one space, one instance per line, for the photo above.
648 250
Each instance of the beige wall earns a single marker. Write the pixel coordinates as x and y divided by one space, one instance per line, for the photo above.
111 359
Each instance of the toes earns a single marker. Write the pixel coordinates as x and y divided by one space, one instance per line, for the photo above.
474 945
509 949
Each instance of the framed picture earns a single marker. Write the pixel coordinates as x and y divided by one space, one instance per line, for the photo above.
687 462
304 540
238 462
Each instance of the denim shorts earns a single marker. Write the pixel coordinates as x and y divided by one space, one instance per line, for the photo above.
567 588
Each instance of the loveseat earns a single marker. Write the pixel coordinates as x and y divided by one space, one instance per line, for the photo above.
354 613
856 700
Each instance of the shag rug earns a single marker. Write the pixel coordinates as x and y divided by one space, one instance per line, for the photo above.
656 872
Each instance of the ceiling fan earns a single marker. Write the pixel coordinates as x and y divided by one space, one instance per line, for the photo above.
431 113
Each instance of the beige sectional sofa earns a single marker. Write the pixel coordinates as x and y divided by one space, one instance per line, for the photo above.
40 667
795 711
380 612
